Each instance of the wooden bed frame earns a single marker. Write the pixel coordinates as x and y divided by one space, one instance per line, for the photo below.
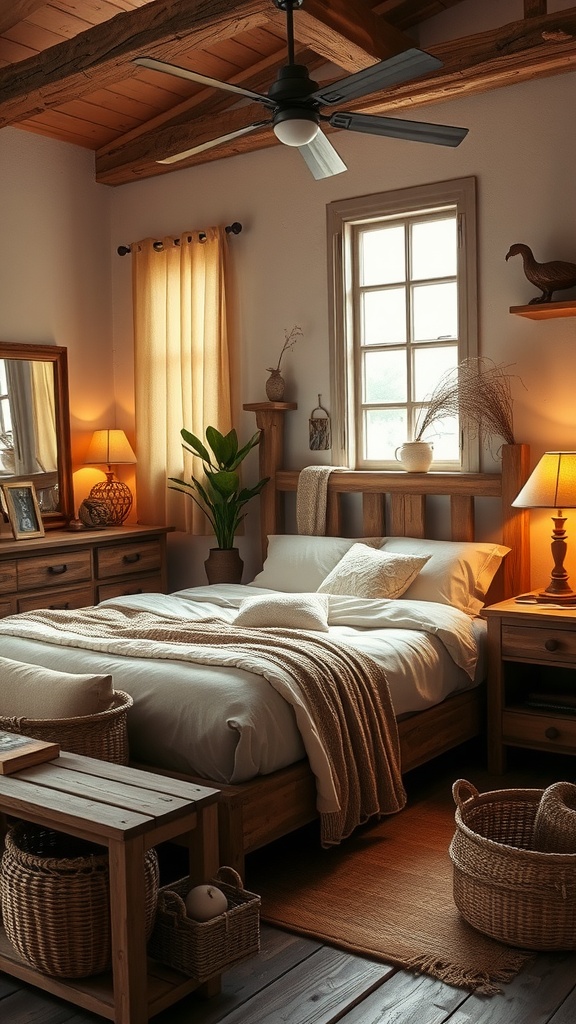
394 504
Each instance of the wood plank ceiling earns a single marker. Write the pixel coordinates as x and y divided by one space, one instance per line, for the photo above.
66 67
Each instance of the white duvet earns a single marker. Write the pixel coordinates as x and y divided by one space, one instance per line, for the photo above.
229 724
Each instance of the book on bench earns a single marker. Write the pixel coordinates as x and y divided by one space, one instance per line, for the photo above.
17 752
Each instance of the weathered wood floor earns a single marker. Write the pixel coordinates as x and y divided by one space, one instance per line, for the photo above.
299 981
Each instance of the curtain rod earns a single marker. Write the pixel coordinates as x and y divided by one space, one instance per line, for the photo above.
235 229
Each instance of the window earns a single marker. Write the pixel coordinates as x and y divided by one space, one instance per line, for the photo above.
403 274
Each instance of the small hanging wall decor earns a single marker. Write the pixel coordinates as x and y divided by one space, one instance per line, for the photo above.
319 429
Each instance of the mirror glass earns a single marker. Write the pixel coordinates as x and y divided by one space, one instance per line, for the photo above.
35 425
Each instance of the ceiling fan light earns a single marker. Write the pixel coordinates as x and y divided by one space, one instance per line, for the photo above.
297 130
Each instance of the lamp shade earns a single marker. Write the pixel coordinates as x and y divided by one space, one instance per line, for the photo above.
109 447
552 483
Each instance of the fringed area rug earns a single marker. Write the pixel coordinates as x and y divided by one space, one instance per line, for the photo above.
385 893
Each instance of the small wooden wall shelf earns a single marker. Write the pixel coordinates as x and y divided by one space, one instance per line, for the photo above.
545 310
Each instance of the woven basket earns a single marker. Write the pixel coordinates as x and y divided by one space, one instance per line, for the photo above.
503 887
103 735
55 896
201 949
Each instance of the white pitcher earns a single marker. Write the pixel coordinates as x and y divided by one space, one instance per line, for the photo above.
415 456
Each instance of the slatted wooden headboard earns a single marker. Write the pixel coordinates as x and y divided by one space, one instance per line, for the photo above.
395 503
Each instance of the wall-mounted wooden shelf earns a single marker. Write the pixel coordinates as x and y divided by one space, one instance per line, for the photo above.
545 310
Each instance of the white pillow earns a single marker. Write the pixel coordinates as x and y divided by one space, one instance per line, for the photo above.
297 563
31 691
457 572
369 572
289 611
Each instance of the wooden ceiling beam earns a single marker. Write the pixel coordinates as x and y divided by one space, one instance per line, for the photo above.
19 9
520 51
347 33
100 56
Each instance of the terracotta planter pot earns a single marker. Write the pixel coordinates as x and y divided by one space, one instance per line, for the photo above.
224 565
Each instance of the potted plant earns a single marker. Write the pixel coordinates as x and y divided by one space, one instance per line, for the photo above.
478 391
220 496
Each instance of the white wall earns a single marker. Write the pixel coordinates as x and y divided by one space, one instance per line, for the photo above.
55 269
523 157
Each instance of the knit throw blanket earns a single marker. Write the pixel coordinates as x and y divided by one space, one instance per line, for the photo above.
340 695
311 499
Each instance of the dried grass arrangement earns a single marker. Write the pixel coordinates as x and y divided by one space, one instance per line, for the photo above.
479 392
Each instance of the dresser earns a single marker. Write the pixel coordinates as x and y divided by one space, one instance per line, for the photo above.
72 570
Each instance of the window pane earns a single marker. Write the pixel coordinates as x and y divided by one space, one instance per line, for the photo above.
384 317
434 248
382 256
429 365
444 435
385 378
384 431
435 311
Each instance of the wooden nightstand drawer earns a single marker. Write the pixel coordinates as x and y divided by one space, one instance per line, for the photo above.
7 577
539 731
125 559
59 568
76 597
125 588
548 643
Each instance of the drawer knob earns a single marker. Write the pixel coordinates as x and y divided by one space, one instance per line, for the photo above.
129 559
551 644
58 607
552 733
57 570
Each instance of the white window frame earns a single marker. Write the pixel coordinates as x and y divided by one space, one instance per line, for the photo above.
343 217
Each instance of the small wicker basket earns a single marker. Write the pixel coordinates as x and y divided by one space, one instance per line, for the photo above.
103 735
55 897
202 949
503 887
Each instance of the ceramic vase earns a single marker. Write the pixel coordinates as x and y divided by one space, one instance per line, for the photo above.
224 565
415 456
275 387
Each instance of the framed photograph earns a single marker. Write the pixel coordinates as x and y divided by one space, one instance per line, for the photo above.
23 509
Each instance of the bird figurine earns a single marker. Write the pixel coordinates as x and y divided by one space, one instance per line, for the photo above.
549 277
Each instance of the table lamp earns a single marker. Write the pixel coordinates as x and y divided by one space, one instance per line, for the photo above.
552 484
111 447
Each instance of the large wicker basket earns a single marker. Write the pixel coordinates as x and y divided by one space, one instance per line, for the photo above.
503 886
55 897
103 735
201 949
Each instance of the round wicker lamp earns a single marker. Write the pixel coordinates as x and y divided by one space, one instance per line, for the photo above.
111 447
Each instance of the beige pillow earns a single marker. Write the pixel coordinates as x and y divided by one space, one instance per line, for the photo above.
31 691
288 611
297 563
372 573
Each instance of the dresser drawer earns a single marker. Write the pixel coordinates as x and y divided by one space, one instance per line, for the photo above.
7 606
59 568
537 643
7 577
550 732
63 598
126 588
126 559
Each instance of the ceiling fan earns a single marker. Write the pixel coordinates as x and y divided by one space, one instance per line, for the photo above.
294 103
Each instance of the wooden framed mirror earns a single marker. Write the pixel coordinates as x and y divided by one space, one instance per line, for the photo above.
35 426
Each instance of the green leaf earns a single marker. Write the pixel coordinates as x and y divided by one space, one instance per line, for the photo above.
195 444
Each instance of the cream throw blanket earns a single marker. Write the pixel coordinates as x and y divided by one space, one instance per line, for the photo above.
340 696
311 499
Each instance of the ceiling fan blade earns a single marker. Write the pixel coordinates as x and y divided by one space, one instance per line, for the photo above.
213 142
321 157
395 128
194 76
401 68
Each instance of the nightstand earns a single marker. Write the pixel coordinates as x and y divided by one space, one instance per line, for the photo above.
531 679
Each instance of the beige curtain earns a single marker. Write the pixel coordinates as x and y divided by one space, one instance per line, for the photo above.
182 365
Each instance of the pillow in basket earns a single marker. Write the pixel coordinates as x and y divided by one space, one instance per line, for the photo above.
31 691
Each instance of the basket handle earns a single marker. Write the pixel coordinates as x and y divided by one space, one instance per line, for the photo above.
237 881
460 787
